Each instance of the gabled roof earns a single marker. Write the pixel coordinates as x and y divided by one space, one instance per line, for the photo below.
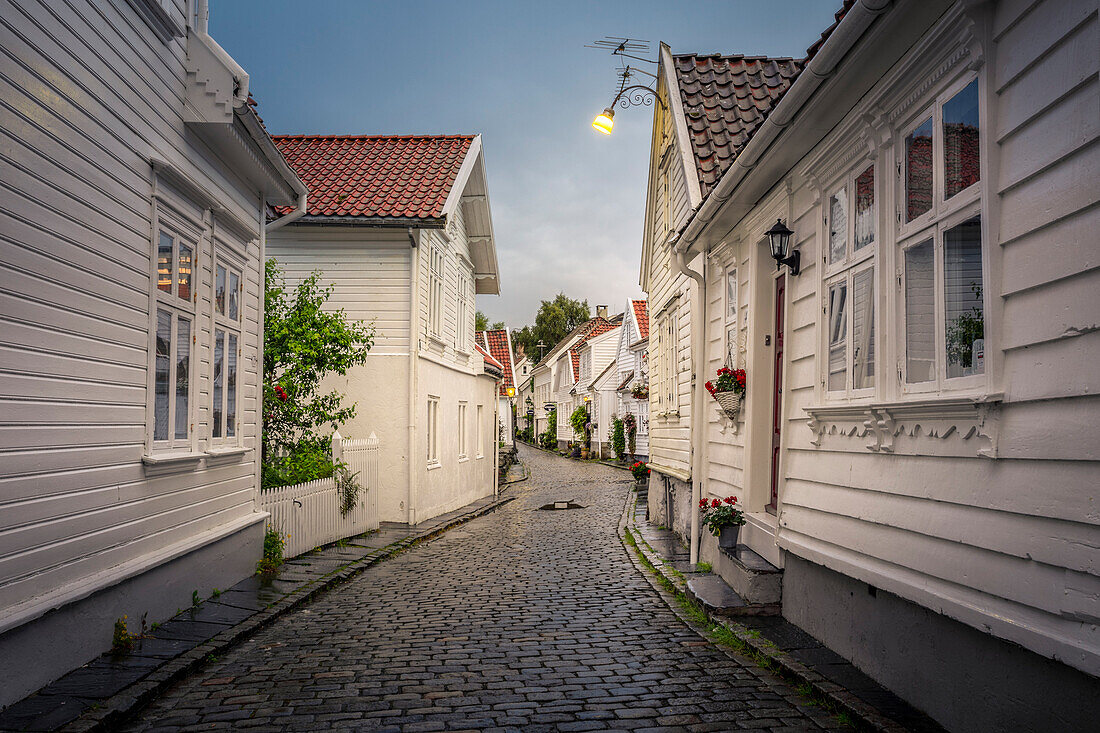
626 381
613 366
492 366
499 346
377 176
725 99
641 317
600 326
582 331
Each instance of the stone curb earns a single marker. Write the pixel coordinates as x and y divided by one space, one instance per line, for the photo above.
117 709
526 475
867 717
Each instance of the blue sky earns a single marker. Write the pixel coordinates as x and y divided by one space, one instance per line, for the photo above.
567 202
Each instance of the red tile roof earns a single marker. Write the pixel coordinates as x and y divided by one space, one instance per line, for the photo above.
376 176
499 345
597 326
496 366
725 99
641 316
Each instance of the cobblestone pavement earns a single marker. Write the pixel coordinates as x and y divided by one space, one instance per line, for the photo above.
520 620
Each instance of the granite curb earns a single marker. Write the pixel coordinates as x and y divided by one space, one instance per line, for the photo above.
117 709
837 697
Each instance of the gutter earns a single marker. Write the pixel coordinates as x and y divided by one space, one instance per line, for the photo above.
820 68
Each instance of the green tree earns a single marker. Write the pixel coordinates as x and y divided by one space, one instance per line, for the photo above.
303 343
555 320
481 323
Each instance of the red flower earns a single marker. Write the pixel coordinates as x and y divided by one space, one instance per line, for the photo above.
702 503
709 386
730 499
714 504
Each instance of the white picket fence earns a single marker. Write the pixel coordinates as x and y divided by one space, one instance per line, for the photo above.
310 513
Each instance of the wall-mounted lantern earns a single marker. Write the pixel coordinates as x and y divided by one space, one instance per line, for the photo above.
779 237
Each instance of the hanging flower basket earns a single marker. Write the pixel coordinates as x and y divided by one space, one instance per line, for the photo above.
729 403
728 389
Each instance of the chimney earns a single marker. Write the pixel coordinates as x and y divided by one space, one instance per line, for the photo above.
601 311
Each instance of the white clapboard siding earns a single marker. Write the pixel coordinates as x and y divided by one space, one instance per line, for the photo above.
1007 545
308 515
91 95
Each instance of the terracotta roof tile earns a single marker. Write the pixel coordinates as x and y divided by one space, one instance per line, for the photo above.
499 345
376 176
725 99
641 316
496 367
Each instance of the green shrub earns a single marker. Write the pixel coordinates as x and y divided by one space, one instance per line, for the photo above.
618 438
308 460
549 439
274 546
579 421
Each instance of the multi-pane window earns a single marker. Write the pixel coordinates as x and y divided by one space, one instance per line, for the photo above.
435 290
732 332
666 380
433 430
478 433
462 333
850 285
224 394
173 339
461 430
586 365
941 267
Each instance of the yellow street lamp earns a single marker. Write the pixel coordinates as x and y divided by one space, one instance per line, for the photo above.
605 121
511 391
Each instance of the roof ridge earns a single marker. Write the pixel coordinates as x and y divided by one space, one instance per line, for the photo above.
368 136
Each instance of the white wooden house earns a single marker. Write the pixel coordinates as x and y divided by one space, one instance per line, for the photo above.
499 345
594 355
401 227
632 371
136 176
915 449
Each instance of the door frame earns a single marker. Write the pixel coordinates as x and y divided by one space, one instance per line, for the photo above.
780 316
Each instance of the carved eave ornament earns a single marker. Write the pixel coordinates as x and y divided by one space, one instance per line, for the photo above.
962 427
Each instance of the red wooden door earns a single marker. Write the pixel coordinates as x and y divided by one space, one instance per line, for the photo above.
777 393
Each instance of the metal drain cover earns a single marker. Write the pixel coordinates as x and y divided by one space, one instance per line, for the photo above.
558 505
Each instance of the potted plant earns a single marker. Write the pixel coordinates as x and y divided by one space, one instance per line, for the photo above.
640 391
723 519
728 389
641 473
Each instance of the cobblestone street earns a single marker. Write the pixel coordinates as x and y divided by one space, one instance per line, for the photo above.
522 619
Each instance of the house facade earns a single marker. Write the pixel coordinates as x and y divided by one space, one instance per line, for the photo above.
595 355
632 374
407 251
499 345
137 180
910 449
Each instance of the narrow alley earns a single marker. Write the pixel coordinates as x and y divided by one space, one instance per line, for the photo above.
522 619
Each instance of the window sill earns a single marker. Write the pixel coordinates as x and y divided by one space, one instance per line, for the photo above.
942 425
226 451
435 465
172 458
463 459
479 457
438 342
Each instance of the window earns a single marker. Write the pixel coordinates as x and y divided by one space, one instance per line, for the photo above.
461 431
479 445
433 431
944 312
462 333
435 290
732 332
850 286
227 350
586 365
666 336
173 336
941 273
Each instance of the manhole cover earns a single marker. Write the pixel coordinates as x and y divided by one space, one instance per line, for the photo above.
557 505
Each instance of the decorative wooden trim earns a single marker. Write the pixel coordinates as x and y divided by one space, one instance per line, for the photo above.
956 426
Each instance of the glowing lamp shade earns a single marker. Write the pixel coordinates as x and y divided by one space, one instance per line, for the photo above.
511 391
605 121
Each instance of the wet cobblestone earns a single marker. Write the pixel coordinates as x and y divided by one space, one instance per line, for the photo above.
520 620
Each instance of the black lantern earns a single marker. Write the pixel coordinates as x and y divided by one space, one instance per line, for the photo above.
780 238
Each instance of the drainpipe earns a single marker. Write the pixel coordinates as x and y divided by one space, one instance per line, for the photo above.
698 425
414 358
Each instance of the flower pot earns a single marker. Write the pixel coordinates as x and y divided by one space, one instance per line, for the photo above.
728 538
729 403
584 453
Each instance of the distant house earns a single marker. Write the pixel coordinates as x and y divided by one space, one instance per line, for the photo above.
915 450
401 227
632 373
595 354
499 344
136 178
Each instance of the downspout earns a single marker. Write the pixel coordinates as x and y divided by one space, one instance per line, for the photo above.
698 426
820 68
496 438
414 358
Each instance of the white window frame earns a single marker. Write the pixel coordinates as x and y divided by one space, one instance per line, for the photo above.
178 308
667 336
479 430
462 448
437 269
731 317
940 382
228 326
462 318
432 433
944 214
845 270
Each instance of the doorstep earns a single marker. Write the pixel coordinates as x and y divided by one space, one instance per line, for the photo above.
104 692
751 576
